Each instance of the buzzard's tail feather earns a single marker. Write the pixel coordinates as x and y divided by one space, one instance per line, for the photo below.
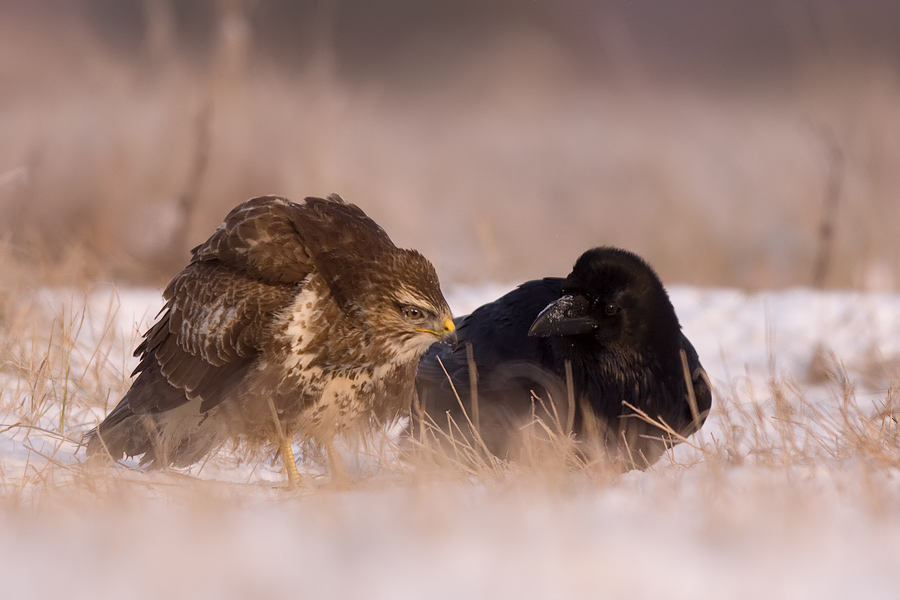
174 438
124 433
178 436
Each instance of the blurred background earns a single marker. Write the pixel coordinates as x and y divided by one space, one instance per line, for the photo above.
731 142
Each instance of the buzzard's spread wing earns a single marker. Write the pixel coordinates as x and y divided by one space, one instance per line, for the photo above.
211 331
220 307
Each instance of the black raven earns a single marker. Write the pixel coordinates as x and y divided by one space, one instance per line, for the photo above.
611 325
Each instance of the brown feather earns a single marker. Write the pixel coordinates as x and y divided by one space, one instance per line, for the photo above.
300 304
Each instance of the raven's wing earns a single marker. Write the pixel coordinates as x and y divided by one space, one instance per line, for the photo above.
508 365
498 335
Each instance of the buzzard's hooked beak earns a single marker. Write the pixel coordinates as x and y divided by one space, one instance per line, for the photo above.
566 316
447 332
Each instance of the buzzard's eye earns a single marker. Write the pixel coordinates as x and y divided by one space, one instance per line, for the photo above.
411 313
611 309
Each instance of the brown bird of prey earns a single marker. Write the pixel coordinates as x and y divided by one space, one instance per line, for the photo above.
291 320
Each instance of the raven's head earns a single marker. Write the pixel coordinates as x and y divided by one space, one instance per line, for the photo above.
611 297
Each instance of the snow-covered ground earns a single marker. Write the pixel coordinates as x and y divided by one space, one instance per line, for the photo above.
792 490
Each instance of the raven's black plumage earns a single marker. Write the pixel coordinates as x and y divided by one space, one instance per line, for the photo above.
612 319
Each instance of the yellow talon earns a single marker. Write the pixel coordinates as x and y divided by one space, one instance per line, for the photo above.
290 465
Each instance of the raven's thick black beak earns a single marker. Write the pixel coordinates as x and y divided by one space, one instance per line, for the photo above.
566 316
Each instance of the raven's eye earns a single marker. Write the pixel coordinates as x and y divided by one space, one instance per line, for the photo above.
412 313
611 309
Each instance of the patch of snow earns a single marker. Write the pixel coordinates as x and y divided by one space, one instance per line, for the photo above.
684 529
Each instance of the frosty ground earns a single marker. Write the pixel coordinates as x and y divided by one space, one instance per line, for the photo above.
790 490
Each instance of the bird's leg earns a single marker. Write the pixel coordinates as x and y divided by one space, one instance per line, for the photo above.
284 448
290 465
338 468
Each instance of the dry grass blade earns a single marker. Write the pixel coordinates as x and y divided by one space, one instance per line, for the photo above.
476 435
473 385
570 397
661 424
692 396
